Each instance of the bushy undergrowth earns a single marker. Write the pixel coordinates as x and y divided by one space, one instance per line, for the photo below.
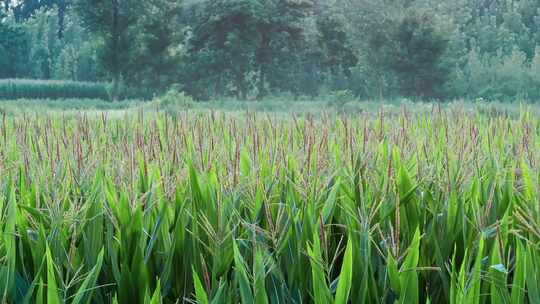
411 207
174 99
51 89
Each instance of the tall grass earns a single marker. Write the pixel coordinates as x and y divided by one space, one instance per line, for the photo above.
432 207
51 89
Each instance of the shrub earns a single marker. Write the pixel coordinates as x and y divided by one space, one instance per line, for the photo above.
174 99
340 98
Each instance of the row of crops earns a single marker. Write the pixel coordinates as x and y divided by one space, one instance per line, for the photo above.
439 207
51 89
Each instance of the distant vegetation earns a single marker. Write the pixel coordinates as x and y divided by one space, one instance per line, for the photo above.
253 49
48 89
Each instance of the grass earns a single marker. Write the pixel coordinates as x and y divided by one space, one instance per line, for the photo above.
62 105
435 205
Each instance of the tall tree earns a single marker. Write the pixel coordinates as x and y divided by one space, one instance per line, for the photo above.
136 38
25 9
416 59
22 10
157 45
14 46
245 41
4 7
334 42
113 21
371 25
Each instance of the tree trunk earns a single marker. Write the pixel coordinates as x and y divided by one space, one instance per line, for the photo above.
263 60
381 81
262 81
62 6
217 89
115 88
240 88
115 45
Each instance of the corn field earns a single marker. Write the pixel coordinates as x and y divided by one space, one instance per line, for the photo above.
51 89
212 207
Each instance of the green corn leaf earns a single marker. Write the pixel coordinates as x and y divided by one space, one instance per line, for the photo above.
7 273
40 298
531 271
498 277
241 275
321 292
393 273
220 296
200 293
345 277
408 278
36 282
156 297
259 274
330 203
473 292
84 294
52 288
518 284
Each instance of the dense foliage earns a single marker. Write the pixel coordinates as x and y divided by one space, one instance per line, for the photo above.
426 207
252 48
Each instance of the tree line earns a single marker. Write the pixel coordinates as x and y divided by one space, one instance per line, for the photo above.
248 49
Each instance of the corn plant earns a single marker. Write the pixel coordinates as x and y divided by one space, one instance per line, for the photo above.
51 89
207 207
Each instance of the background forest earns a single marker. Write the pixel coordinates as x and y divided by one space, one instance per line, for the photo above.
250 49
